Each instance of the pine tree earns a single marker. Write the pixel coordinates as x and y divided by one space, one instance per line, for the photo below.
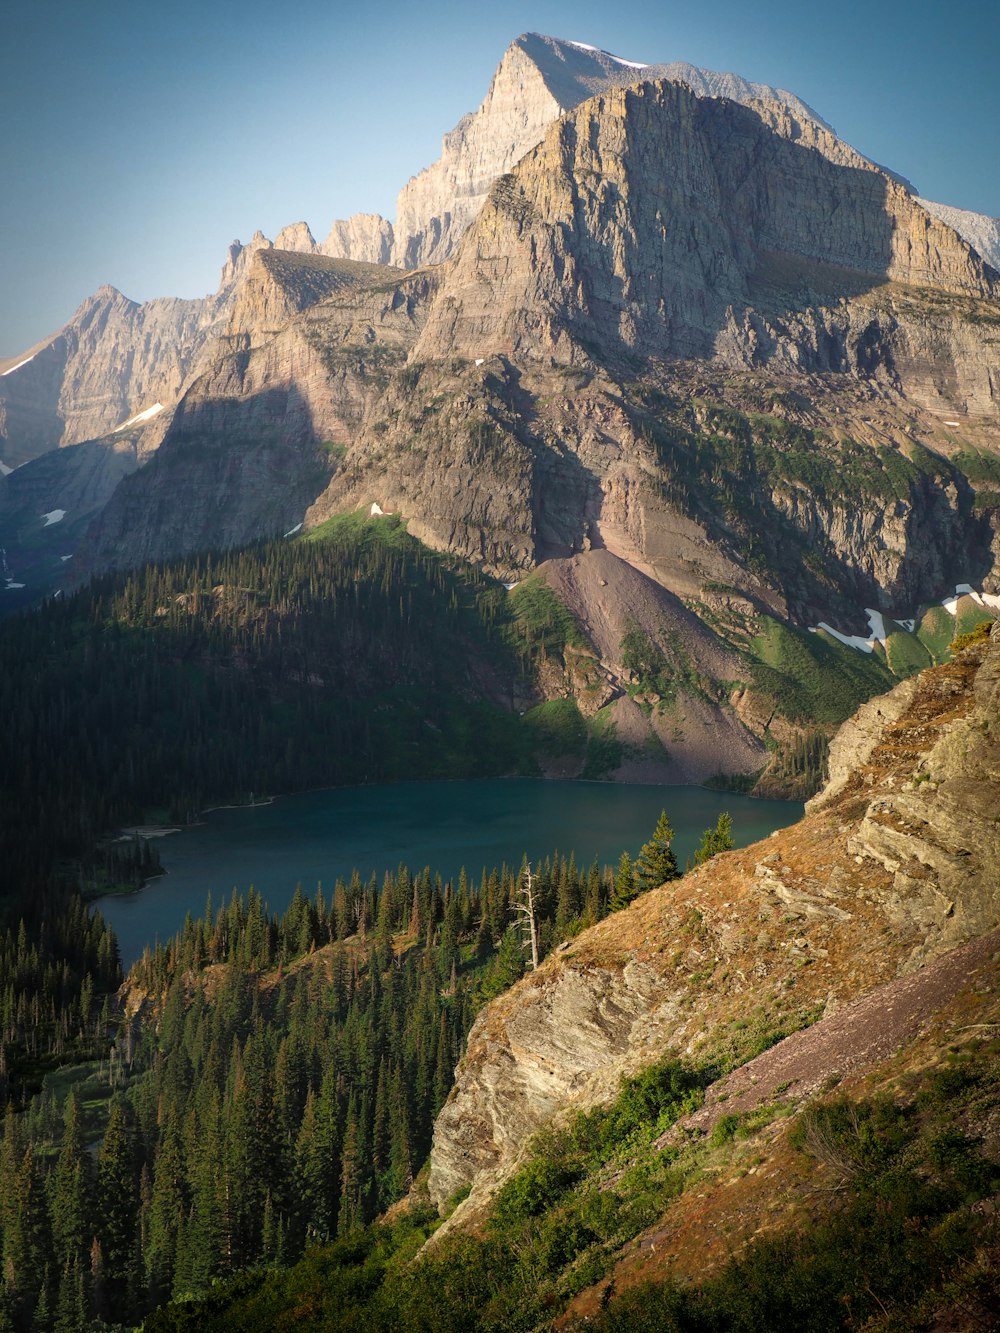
624 886
69 1192
117 1211
713 841
656 863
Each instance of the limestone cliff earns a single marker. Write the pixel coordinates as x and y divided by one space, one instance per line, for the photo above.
252 443
114 359
537 80
365 237
648 220
886 872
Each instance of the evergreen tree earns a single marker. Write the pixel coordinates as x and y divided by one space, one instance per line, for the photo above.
624 886
713 841
656 864
117 1212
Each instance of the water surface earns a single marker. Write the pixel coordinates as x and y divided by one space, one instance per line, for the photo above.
314 837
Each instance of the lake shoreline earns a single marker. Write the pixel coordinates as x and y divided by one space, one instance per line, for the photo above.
317 836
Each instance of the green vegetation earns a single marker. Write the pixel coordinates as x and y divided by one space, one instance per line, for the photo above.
894 1240
969 615
714 841
811 678
656 863
745 475
935 630
54 988
905 653
543 621
352 655
281 1091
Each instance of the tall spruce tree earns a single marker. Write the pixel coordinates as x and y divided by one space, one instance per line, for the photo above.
656 863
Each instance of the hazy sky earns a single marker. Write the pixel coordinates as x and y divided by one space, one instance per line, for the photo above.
137 142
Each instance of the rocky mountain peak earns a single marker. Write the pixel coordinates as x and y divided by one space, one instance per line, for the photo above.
574 71
296 236
538 80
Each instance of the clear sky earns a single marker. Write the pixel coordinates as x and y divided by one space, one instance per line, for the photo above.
136 141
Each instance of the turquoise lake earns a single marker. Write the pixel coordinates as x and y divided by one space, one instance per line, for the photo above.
316 836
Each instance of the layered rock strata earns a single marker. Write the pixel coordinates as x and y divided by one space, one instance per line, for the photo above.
885 873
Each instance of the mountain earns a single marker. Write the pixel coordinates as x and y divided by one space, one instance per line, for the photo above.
538 79
691 355
115 358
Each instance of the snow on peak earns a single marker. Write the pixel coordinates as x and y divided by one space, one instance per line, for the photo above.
53 516
596 50
140 417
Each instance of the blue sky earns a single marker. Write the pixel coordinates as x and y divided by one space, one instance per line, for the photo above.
136 143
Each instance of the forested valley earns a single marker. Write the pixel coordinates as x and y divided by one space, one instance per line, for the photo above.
260 1083
264 1083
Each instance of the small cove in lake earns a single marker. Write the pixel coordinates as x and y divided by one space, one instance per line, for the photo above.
314 837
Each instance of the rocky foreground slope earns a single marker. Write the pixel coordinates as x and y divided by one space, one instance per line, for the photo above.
894 865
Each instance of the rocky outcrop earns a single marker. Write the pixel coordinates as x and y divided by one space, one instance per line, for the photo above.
818 915
981 232
366 238
279 285
114 359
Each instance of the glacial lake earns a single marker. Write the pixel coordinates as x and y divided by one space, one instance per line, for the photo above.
313 837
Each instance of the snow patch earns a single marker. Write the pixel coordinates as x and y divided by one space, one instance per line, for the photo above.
511 586
480 360
65 557
629 64
53 516
908 625
5 471
19 365
140 417
850 640
292 531
12 584
980 598
876 624
376 511
952 423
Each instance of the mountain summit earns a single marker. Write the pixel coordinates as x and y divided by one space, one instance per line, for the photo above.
713 374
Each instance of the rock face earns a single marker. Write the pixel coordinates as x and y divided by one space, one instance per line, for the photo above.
114 359
881 876
254 440
981 232
651 225
537 80
365 237
647 217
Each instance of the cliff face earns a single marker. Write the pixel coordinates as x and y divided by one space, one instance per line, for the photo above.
254 440
886 872
537 80
115 358
646 217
